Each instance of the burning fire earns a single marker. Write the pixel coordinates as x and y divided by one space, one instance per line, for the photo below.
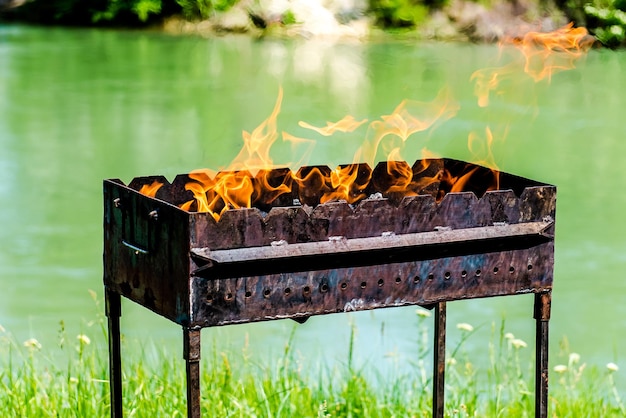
150 189
542 54
252 179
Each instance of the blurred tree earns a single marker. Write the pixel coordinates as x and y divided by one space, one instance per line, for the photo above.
88 12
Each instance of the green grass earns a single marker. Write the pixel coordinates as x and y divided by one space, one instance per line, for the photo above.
34 384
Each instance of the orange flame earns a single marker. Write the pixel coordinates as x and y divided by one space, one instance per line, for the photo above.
408 118
482 148
549 53
348 183
151 189
255 154
311 182
235 189
347 124
488 80
252 179
543 54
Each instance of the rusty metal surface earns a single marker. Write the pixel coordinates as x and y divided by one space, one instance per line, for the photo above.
439 361
339 251
197 271
293 257
256 298
156 275
113 313
542 307
191 353
371 217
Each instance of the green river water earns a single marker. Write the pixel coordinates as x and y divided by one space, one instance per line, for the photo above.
80 106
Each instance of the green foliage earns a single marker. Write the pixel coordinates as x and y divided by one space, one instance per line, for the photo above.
398 13
116 8
34 383
607 19
288 18
203 9
100 12
143 8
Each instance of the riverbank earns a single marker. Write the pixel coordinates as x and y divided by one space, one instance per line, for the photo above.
441 20
460 20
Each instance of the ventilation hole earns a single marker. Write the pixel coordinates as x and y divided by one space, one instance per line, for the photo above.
511 269
431 276
416 279
530 267
343 286
464 273
495 270
380 282
478 272
306 290
324 287
287 291
228 297
363 285
447 275
248 294
267 293
398 280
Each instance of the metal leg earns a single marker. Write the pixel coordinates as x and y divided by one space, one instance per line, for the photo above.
439 366
542 317
191 353
114 312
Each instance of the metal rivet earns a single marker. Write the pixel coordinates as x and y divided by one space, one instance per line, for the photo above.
154 215
117 202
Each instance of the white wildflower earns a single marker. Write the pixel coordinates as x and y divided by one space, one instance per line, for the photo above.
574 358
560 368
451 361
423 313
73 379
517 343
32 344
83 339
612 367
465 327
509 336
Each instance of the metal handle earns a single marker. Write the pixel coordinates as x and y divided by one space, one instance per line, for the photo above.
390 248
